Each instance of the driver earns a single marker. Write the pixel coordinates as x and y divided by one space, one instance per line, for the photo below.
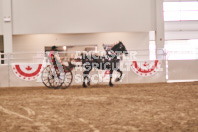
55 60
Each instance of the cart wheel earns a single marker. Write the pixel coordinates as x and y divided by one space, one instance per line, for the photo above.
45 76
68 79
56 78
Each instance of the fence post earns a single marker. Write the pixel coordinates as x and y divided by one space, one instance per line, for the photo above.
8 63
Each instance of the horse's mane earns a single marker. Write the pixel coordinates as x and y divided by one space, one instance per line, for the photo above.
115 47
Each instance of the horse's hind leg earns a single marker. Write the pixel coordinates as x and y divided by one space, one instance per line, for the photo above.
86 76
119 78
110 83
88 81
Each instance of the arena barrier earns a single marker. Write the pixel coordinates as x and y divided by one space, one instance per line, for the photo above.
24 69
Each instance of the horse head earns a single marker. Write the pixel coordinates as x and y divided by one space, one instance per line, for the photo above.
119 47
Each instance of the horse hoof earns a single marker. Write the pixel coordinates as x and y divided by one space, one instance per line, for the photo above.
84 86
111 85
117 79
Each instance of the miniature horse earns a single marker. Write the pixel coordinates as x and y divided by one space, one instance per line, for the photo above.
110 62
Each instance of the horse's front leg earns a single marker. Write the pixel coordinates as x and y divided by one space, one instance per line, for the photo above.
119 78
85 73
86 76
110 81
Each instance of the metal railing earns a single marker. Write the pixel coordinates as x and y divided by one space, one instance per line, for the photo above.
143 54
139 55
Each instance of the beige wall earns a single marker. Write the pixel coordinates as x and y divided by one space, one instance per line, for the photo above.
181 30
27 43
4 78
181 35
181 26
82 16
178 0
182 70
1 18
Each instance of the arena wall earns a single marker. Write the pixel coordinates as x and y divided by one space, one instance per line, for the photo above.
181 26
87 16
181 35
9 79
14 81
182 70
4 78
1 20
35 43
178 70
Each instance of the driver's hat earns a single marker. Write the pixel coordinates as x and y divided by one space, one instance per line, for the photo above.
54 48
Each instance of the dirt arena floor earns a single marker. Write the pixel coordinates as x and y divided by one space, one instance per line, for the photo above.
160 107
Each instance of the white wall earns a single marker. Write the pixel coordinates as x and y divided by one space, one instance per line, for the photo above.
82 16
4 78
181 35
182 70
178 0
9 79
132 41
181 26
1 18
181 30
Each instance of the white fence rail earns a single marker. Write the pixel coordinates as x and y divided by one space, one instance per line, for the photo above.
38 57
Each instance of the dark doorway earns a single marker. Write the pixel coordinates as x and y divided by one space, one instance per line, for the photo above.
1 49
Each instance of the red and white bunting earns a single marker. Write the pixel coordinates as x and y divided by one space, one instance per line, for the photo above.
27 72
146 68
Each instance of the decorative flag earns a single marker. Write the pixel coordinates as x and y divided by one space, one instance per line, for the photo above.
146 68
27 72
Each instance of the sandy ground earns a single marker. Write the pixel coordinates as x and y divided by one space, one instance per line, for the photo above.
124 108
